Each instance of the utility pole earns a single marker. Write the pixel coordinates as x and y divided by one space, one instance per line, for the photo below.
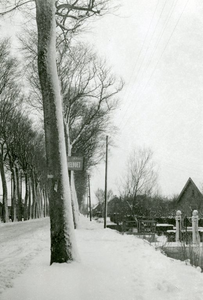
89 196
105 193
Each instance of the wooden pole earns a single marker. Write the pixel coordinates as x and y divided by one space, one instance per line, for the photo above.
105 194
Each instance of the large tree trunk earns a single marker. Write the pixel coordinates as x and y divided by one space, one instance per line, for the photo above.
4 187
63 248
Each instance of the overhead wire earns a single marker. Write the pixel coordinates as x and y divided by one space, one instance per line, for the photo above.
158 40
165 46
154 69
148 47
141 49
161 128
170 163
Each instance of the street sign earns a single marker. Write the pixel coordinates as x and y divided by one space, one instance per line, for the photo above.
75 163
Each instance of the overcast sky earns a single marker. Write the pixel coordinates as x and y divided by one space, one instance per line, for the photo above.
157 47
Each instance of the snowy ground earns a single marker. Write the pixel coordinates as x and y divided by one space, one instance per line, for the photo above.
112 267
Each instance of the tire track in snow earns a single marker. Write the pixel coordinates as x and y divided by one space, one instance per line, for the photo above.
19 244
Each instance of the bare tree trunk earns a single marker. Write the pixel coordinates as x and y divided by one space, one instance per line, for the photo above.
4 187
19 196
46 203
74 200
39 201
14 195
26 197
29 199
63 248
13 190
34 200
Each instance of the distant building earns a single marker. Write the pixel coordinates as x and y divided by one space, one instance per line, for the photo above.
190 199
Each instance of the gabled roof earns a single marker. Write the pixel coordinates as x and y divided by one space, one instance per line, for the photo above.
190 181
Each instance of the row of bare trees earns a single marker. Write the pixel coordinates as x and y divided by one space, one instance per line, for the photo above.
88 88
89 91
22 153
86 98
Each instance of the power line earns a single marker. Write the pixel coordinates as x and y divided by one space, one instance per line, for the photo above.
159 58
165 47
142 47
145 54
159 38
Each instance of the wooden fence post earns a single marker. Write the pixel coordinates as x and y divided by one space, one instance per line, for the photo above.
195 239
178 225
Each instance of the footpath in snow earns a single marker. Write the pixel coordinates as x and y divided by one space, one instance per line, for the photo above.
112 267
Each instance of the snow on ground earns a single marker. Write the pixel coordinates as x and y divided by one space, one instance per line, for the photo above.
19 244
112 267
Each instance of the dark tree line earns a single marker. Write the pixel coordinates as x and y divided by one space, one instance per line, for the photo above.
69 16
22 153
153 207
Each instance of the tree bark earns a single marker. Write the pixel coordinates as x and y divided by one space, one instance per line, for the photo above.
14 195
26 197
19 195
29 212
34 200
4 187
63 248
74 200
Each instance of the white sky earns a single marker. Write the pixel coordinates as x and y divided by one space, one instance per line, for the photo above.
157 47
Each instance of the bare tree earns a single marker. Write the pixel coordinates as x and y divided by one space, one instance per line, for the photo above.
89 91
140 178
100 195
9 97
68 16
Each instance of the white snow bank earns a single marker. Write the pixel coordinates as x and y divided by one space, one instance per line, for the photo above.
113 267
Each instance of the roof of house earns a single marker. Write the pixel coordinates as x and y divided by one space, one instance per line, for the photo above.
189 181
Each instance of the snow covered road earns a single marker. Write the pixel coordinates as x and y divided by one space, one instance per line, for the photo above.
19 243
112 267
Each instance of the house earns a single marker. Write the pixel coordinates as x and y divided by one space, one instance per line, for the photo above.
98 211
114 207
190 199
